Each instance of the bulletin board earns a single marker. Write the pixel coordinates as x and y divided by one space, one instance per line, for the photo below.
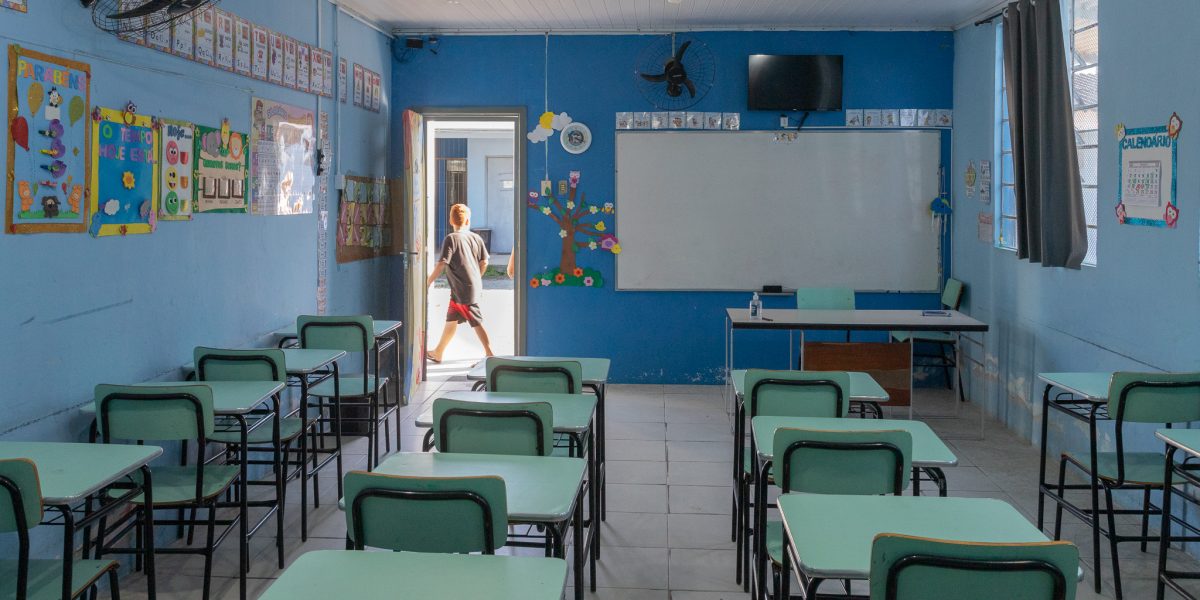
123 196
222 164
48 143
364 227
177 139
1147 162
282 154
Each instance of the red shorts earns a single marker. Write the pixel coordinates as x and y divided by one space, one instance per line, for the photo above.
468 313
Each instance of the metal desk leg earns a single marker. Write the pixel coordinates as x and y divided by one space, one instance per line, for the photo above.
1041 507
1164 533
148 536
243 509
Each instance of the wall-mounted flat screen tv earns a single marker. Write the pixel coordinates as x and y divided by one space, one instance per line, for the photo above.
795 82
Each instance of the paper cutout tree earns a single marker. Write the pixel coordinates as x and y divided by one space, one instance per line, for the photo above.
581 227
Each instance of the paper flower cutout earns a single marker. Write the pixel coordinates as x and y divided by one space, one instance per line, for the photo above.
562 233
591 245
588 281
616 249
545 210
534 282
577 272
570 205
128 180
573 178
559 278
593 209
545 282
607 242
600 226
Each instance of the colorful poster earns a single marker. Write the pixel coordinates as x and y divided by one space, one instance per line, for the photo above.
183 40
316 81
159 39
377 95
17 5
282 177
205 25
48 143
260 50
358 84
342 80
327 89
123 196
243 48
275 57
221 166
303 67
224 40
364 227
289 62
177 139
1146 158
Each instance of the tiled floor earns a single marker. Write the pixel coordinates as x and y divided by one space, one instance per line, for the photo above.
667 533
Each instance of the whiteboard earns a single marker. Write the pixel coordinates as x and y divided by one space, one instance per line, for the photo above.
727 210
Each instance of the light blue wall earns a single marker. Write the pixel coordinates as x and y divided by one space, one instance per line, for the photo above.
79 311
1138 308
654 337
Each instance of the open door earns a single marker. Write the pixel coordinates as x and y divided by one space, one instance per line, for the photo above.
415 265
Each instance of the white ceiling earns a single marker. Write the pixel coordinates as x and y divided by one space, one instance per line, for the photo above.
660 15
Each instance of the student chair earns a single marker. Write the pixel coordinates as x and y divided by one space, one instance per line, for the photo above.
365 391
182 414
780 394
861 463
825 298
946 356
25 578
269 364
526 375
1166 398
911 568
425 514
518 428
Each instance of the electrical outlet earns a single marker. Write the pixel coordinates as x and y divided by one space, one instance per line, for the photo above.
783 121
562 187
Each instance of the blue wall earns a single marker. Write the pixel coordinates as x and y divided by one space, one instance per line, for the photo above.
79 311
654 337
1136 310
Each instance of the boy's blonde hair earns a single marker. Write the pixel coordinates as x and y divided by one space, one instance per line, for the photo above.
459 215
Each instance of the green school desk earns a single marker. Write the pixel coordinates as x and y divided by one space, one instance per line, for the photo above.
1186 441
72 475
542 490
308 367
326 574
237 399
387 335
830 536
929 455
595 378
1080 394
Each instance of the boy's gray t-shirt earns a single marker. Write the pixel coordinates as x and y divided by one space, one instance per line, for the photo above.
462 251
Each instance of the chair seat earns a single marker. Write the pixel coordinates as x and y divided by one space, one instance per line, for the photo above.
351 386
943 337
45 577
775 541
1140 467
177 485
289 428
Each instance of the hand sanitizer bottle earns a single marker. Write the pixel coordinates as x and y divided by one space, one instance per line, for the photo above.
755 307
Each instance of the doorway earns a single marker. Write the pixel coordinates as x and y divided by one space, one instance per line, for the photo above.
471 160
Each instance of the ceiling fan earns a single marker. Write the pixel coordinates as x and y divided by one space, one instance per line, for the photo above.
131 16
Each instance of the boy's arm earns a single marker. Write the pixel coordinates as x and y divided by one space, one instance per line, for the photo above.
437 272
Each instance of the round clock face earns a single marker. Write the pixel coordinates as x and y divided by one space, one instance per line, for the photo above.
576 138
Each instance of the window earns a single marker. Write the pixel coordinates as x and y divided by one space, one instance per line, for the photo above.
1085 99
1083 39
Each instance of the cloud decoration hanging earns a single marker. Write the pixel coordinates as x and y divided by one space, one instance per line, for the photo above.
548 123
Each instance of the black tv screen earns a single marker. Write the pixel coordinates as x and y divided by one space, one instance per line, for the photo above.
795 82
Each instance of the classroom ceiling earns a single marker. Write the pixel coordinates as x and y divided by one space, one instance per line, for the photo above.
663 15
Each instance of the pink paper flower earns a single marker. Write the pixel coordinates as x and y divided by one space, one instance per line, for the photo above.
608 241
588 281
574 178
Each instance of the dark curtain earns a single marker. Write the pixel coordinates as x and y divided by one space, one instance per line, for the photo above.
1051 229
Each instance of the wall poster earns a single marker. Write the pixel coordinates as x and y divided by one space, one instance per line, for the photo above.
243 48
222 163
275 57
342 80
289 62
282 174
48 143
223 56
175 170
364 227
1147 167
182 38
206 28
123 195
17 5
303 68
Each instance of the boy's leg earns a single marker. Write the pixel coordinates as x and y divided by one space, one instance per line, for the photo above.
447 335
483 337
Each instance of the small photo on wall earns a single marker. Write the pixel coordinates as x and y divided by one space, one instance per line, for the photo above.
889 118
872 118
624 120
659 120
712 120
908 117
641 120
854 118
678 120
695 120
732 121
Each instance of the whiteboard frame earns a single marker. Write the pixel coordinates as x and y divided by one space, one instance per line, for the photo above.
942 183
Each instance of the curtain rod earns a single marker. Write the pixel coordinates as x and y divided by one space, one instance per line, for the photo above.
990 19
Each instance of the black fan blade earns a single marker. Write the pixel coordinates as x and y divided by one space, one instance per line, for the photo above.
655 78
149 8
682 49
690 86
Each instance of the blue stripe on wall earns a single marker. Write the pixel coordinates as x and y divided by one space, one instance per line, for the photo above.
656 337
